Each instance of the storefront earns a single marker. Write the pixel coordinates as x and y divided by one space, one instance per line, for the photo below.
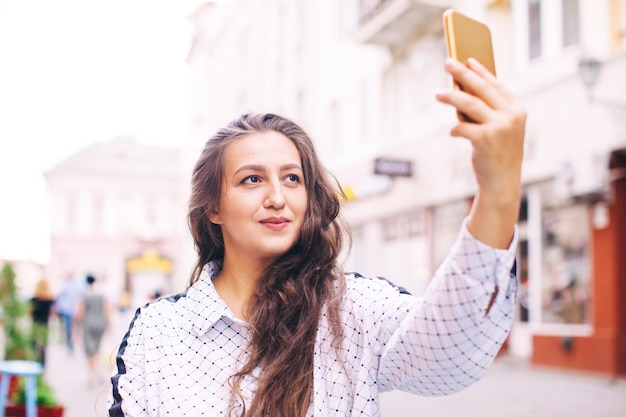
148 275
572 264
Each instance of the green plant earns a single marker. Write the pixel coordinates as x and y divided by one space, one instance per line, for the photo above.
18 343
45 394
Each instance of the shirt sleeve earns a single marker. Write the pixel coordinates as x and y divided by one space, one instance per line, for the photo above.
447 339
127 395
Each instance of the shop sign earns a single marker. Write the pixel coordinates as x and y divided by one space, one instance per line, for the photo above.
393 167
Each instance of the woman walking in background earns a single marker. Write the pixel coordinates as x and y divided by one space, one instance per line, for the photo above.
41 304
92 317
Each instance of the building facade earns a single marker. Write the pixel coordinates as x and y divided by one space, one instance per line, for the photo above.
116 213
361 75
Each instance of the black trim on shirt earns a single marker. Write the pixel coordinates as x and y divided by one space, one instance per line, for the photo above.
400 288
116 408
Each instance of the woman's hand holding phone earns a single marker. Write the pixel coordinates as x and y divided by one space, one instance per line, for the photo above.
496 133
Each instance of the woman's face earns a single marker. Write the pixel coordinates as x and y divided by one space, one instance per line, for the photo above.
264 199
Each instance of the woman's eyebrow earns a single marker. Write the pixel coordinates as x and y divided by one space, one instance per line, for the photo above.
261 168
290 166
257 168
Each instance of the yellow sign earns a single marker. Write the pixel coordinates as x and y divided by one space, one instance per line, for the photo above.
149 261
349 192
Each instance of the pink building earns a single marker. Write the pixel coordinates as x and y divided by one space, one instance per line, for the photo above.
117 213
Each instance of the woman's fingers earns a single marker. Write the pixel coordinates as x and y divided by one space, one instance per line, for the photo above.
476 66
474 108
481 70
483 99
497 127
478 81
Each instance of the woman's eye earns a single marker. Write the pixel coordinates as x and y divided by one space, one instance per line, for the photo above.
293 178
252 179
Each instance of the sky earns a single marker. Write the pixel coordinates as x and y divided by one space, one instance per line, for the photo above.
76 72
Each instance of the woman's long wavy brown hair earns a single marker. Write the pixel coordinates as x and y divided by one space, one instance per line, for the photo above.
293 292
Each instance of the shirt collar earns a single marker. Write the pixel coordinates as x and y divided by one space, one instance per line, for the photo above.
205 305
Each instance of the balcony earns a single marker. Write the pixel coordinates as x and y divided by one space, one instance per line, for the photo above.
392 23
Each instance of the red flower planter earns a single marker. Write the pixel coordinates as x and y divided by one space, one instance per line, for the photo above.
19 410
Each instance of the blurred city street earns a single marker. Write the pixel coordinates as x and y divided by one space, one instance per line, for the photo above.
67 371
105 136
98 157
512 388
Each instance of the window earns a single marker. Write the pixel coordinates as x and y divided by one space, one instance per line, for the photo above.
405 256
565 265
348 16
522 276
409 85
545 27
98 212
350 121
151 210
84 214
110 215
522 266
570 22
534 28
554 262
448 220
71 208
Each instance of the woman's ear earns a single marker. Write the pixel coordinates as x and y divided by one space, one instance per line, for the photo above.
214 216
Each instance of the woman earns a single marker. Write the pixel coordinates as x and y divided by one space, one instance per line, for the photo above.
92 317
271 326
41 305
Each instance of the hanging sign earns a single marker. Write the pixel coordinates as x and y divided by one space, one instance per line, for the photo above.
393 167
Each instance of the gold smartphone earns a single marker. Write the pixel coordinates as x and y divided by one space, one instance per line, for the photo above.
467 38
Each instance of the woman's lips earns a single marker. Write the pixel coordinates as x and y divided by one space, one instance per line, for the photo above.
275 223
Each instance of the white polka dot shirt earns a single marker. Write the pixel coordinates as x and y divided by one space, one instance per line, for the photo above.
179 352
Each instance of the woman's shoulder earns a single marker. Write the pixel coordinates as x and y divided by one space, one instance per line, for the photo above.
167 304
161 314
373 299
362 289
356 280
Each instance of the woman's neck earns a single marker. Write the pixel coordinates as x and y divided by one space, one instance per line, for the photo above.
237 282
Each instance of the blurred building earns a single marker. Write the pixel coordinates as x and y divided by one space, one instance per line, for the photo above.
360 76
116 213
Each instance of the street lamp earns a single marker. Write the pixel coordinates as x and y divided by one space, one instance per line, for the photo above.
589 69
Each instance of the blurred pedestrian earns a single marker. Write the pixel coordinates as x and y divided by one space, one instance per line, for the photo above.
93 317
65 308
272 326
40 308
156 295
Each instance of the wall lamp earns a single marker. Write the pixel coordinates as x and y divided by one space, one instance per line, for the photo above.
589 69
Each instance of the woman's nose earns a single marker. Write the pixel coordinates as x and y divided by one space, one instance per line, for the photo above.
275 196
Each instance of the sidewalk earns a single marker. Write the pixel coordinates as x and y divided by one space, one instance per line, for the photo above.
515 388
512 388
67 372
